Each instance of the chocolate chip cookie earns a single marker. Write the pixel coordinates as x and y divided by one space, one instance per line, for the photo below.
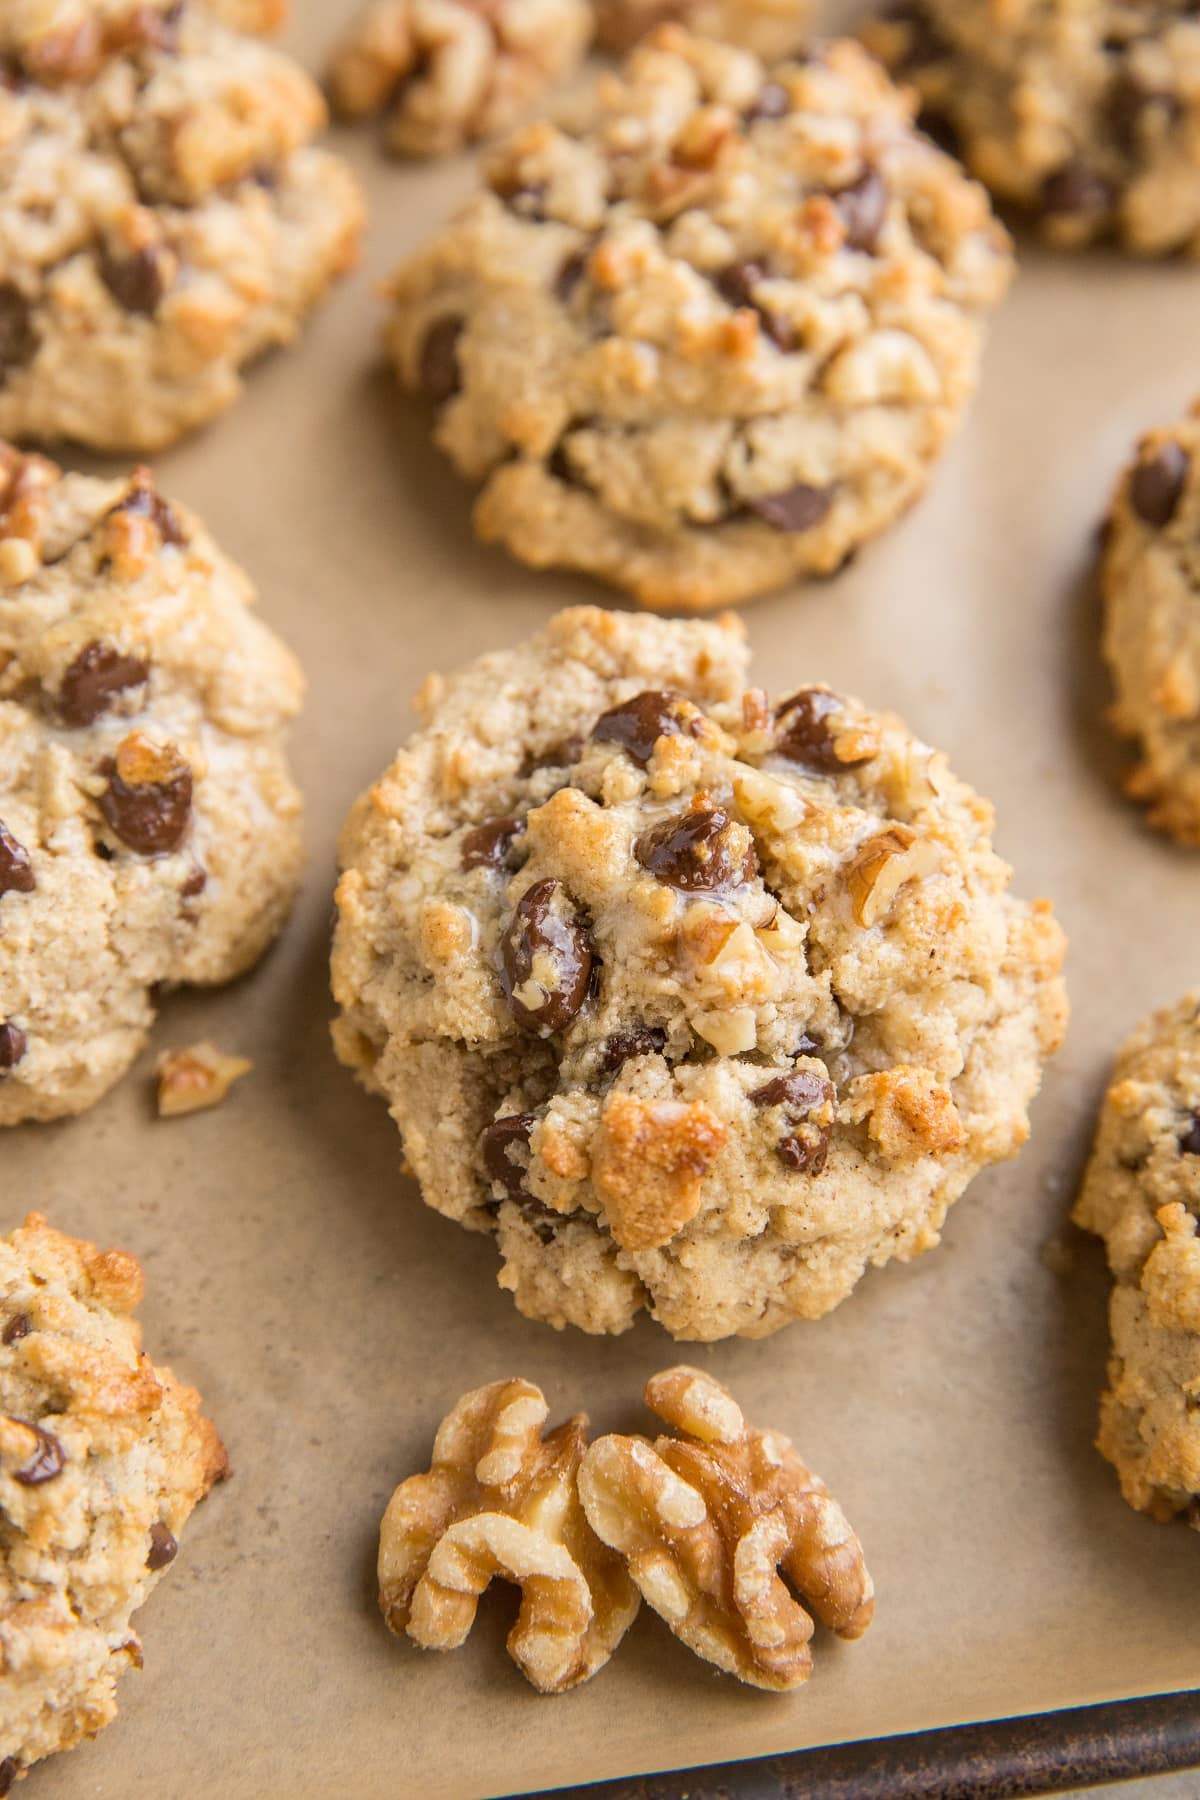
1085 117
696 1002
103 1457
717 340
149 828
771 28
449 71
163 215
1141 1194
1151 583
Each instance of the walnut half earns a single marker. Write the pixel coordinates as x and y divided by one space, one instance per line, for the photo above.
707 1520
500 1500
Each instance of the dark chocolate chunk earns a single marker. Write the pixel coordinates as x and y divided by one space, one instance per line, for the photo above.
163 1547
863 209
18 1327
804 734
797 508
149 814
1189 1138
439 373
487 846
144 501
1157 483
195 884
47 1459
545 946
639 1040
1077 189
497 1141
137 282
699 851
99 672
13 1043
805 1149
8 1774
16 870
638 723
737 282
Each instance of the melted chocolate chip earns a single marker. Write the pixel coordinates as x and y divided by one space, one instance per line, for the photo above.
18 1327
18 337
1156 485
439 373
771 102
697 852
1189 1140
136 282
805 736
863 209
1077 189
637 724
163 1547
639 1040
13 1043
8 1774
144 501
499 1138
99 672
570 274
737 282
151 817
487 846
195 884
546 960
47 1459
806 1149
797 508
16 870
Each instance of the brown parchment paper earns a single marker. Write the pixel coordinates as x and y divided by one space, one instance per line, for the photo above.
330 1319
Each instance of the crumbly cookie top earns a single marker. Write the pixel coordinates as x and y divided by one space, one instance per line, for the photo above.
729 975
145 805
1085 115
1150 571
102 1458
713 338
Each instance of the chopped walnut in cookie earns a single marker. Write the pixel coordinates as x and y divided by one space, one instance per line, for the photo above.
697 1002
191 1080
726 1533
450 71
499 1501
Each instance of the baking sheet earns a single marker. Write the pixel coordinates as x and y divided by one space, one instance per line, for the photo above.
330 1319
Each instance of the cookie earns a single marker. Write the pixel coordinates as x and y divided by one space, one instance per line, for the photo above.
1141 1194
697 1003
103 1456
449 71
715 342
1150 570
771 28
1087 118
163 215
149 827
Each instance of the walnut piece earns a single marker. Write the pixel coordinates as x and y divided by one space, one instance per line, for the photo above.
708 1519
650 1162
499 1499
883 864
192 1079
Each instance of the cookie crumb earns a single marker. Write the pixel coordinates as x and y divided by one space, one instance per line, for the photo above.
194 1079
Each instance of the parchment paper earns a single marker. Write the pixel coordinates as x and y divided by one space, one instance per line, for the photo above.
330 1319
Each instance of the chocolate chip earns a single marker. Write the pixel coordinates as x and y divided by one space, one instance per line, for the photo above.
195 884
18 337
499 1138
487 845
99 672
546 960
163 1547
698 851
439 373
1189 1140
1078 190
559 756
771 102
737 282
13 1044
16 870
797 508
148 812
637 724
18 1327
940 131
570 274
8 1774
144 501
137 282
863 208
1156 484
639 1040
806 737
805 1150
47 1459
